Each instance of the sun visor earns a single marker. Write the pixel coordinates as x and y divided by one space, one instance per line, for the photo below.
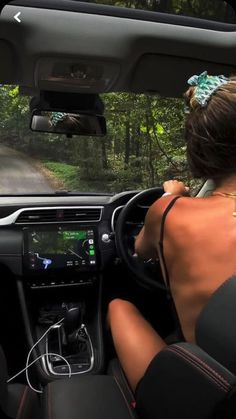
167 75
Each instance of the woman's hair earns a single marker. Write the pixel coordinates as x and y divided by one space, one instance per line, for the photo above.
210 133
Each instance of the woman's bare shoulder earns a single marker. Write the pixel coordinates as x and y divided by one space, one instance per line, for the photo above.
180 201
184 208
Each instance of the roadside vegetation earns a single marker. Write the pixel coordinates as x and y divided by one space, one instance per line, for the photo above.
207 9
66 173
144 143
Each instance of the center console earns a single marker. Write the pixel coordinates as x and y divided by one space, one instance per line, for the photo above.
69 340
61 293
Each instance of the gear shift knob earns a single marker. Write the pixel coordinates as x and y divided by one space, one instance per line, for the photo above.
72 319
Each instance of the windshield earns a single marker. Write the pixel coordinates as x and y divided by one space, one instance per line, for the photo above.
143 147
217 10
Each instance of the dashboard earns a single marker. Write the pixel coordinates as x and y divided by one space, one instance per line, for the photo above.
62 240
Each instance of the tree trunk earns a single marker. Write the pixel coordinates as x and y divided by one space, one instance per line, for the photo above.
104 154
127 144
150 152
165 6
137 152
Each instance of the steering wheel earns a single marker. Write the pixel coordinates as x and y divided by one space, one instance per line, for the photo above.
146 273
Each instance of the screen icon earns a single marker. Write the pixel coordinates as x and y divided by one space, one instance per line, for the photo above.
16 17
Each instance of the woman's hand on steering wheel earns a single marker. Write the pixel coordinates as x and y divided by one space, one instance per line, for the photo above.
175 187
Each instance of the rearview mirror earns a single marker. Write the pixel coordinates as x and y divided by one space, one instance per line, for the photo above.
68 123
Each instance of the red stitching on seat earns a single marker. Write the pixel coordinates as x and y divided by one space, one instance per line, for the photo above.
205 365
129 409
120 370
214 379
22 402
126 384
211 373
133 404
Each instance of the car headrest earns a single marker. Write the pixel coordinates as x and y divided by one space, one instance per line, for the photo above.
216 329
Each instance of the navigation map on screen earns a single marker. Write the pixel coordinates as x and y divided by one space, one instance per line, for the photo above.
60 247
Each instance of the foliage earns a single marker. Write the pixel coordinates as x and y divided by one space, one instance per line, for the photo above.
145 141
208 9
143 147
67 173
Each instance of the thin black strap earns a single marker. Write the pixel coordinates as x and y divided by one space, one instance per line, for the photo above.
161 249
165 271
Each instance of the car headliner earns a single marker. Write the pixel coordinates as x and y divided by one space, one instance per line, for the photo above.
133 55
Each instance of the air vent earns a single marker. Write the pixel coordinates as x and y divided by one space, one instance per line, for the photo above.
37 216
82 214
59 215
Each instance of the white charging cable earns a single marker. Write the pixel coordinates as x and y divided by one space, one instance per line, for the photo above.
45 354
32 348
35 360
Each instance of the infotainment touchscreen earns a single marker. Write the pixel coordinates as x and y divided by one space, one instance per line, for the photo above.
59 247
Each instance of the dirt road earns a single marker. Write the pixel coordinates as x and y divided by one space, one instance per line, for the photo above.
18 175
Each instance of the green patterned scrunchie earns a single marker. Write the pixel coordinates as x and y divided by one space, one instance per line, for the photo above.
56 117
206 86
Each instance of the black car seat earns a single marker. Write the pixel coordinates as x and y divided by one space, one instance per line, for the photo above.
184 381
193 381
17 401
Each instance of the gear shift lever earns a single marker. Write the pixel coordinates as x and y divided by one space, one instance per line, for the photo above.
71 340
72 319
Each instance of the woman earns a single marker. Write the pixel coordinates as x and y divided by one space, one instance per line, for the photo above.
70 123
199 234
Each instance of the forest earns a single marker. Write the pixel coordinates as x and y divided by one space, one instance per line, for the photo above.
205 9
144 144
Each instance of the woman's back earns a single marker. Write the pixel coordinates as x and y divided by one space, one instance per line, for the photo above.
199 233
199 245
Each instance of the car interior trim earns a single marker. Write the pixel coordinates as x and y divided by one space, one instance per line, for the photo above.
155 39
113 217
48 366
137 14
12 219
